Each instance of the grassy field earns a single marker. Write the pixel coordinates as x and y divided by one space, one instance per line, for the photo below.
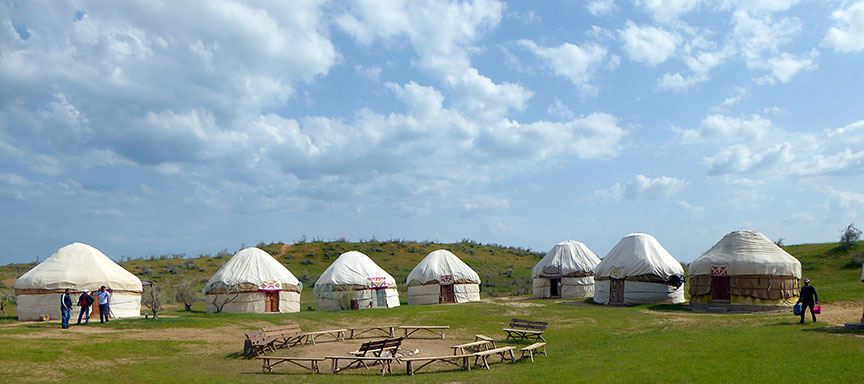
587 343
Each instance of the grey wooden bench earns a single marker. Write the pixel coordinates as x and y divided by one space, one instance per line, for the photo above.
501 351
360 361
526 330
269 361
538 348
437 330
462 361
476 346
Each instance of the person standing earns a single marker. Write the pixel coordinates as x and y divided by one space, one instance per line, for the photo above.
808 298
85 301
65 308
103 296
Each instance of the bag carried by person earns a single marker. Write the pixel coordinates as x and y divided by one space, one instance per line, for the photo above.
817 309
797 309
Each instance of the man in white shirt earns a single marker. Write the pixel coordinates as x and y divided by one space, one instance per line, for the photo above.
103 296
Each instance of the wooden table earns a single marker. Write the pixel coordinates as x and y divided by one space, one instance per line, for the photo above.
437 330
357 362
269 361
388 330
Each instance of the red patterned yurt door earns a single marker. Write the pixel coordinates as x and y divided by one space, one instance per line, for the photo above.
447 294
616 291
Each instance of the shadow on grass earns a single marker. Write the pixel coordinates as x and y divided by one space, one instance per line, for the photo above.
670 307
236 356
835 330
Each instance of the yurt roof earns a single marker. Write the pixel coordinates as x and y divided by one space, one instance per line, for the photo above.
746 253
251 266
438 264
638 254
78 266
568 257
354 268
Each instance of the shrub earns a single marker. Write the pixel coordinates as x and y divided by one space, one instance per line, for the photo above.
849 236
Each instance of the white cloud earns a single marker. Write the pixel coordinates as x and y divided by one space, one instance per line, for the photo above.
740 93
723 130
643 188
578 64
844 205
483 203
667 10
600 7
558 108
648 44
696 212
679 82
847 35
786 65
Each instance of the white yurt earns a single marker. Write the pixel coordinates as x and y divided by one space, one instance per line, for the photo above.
354 281
77 267
441 277
744 271
638 271
253 281
567 271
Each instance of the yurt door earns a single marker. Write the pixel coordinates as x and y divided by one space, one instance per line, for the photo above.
381 295
447 294
555 287
271 301
720 289
616 291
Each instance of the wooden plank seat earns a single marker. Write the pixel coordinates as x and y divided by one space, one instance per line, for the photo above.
539 348
388 330
476 346
485 338
360 361
269 361
462 361
337 334
437 330
285 336
378 347
526 330
258 343
501 351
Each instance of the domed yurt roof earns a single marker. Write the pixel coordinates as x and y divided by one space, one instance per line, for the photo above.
251 266
78 266
439 264
746 253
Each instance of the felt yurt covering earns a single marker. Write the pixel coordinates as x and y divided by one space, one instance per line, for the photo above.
567 271
253 281
354 281
747 271
639 271
441 277
76 266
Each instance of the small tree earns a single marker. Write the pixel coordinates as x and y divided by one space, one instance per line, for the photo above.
152 297
849 236
7 296
185 293
779 242
224 297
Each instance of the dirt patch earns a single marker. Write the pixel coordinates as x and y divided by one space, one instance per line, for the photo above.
839 313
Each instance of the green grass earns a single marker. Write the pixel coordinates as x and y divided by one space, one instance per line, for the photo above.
587 344
834 271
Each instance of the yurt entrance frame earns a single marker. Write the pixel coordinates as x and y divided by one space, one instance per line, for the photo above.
616 291
448 294
720 289
555 287
381 297
271 301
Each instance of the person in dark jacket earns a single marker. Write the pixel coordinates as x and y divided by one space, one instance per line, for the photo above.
808 298
65 308
85 301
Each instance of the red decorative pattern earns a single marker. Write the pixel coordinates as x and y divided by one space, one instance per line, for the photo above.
718 270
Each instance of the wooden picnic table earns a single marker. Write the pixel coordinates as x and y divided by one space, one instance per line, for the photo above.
388 330
437 330
502 351
538 348
337 334
476 346
269 361
461 361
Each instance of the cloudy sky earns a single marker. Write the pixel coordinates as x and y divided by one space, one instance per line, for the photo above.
153 127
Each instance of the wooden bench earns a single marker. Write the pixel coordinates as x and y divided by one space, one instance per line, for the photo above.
269 361
378 347
461 361
360 361
337 334
258 343
526 330
485 338
502 351
437 330
388 330
477 346
285 336
539 348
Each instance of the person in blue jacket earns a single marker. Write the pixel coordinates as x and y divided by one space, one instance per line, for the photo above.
65 308
808 298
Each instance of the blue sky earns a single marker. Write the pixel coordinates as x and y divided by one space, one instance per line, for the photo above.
153 127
